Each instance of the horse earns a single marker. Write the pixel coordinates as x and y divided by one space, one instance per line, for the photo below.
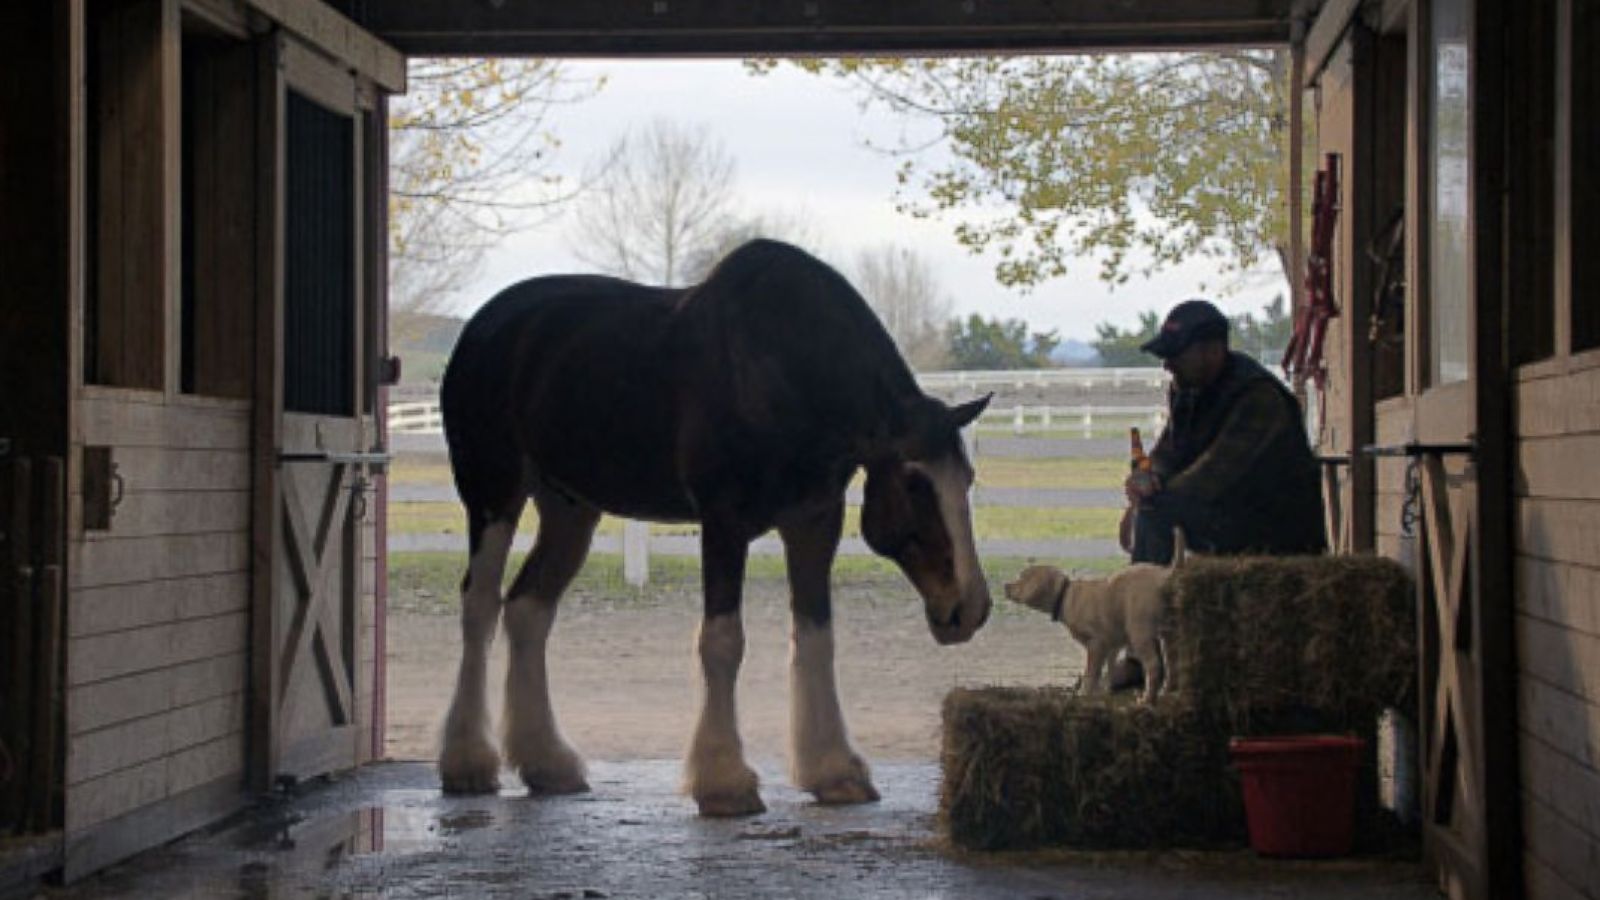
745 403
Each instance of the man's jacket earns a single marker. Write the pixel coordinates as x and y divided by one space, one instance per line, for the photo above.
1238 445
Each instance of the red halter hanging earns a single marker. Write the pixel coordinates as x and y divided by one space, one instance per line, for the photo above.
1303 357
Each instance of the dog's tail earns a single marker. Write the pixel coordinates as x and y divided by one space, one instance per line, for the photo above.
1179 547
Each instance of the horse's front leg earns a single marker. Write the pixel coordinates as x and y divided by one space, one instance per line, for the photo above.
717 776
822 760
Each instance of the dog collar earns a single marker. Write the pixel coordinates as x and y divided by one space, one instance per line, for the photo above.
1061 599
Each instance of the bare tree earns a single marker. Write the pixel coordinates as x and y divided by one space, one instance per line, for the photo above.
660 196
900 286
470 147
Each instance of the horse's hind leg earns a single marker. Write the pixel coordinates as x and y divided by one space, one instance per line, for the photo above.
822 760
533 741
468 762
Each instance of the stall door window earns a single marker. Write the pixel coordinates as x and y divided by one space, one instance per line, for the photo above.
1450 232
319 263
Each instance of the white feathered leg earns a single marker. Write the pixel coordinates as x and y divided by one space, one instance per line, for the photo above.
823 761
468 762
533 741
717 776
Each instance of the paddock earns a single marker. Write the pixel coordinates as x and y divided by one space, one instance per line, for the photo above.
193 446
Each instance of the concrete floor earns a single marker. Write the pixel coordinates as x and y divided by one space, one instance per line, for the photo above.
386 831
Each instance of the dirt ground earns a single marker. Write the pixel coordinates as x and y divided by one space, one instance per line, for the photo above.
625 685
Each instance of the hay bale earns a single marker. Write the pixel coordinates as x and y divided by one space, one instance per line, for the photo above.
1261 639
1027 767
1263 645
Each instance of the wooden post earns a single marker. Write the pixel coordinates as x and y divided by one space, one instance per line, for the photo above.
1297 129
45 793
18 639
1492 560
635 552
378 247
266 515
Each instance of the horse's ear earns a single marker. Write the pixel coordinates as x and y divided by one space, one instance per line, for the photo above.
961 416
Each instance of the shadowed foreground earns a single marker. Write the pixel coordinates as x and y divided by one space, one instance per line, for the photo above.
388 832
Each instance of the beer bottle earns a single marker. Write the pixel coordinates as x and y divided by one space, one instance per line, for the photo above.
1143 469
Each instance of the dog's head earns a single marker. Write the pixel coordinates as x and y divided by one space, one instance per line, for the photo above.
1039 587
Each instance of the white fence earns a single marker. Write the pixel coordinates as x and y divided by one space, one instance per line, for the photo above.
416 417
1042 378
414 411
1022 419
423 417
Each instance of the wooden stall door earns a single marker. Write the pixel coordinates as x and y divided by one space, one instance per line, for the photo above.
318 576
1460 381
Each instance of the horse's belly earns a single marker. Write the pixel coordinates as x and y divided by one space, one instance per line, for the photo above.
627 494
624 466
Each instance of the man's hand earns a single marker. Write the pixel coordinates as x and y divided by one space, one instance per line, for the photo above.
1141 486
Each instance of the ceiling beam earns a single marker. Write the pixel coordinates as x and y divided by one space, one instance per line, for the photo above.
815 27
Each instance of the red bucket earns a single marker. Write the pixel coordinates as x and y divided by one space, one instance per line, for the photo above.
1299 792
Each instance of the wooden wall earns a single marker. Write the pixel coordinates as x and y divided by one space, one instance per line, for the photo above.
158 626
1555 400
1557 528
159 656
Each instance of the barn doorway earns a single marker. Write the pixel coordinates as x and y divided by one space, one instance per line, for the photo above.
1050 456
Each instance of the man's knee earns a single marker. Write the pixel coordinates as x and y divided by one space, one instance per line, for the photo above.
1152 536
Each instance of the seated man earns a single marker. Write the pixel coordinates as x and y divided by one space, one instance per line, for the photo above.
1233 467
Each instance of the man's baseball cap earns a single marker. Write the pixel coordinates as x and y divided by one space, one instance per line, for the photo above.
1189 321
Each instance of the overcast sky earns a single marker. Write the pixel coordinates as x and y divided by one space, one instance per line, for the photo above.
797 141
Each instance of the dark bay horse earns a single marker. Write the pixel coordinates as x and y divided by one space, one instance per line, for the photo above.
744 404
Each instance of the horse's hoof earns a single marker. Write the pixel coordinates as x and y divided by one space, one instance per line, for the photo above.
727 806
549 783
470 769
838 779
846 792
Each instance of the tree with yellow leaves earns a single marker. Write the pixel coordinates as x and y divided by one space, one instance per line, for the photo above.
1137 160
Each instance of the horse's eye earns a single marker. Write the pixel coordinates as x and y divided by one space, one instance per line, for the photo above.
919 484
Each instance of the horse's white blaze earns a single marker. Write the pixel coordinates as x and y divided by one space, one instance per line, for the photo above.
468 753
821 746
533 740
952 484
716 764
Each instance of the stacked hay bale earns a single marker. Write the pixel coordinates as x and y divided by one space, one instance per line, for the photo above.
1262 646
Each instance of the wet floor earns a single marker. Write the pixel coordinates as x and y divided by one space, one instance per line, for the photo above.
386 831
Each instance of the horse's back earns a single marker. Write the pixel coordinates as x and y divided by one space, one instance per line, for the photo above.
566 378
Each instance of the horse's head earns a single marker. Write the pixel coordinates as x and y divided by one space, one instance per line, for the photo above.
916 513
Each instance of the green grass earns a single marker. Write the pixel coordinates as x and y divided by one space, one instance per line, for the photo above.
430 582
1055 472
449 518
409 471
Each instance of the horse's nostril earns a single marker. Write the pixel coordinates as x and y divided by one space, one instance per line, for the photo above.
955 618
